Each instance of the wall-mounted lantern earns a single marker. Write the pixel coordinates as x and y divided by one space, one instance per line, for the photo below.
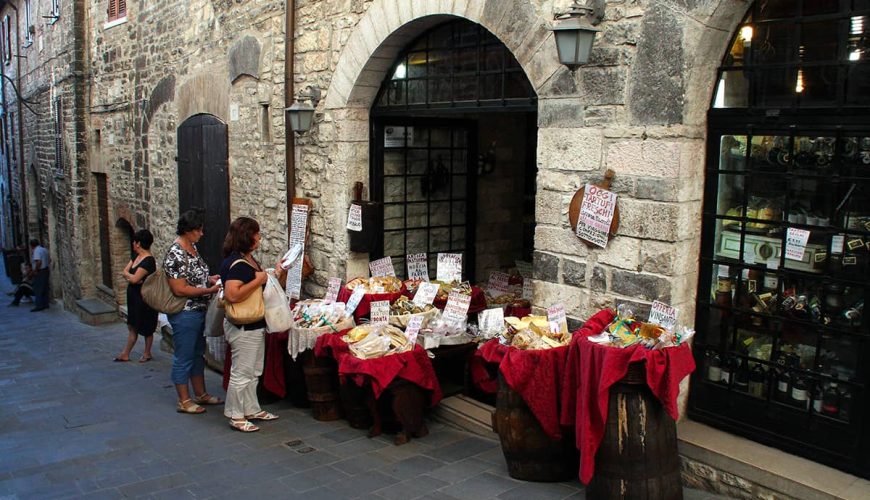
301 113
575 32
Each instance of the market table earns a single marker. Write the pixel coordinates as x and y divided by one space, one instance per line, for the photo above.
365 304
592 369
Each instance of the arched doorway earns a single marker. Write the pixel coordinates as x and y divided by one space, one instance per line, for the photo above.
203 179
783 342
453 151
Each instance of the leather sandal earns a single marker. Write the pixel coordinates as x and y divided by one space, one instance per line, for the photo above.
263 415
188 406
243 426
208 399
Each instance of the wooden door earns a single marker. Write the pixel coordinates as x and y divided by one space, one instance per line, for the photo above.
203 180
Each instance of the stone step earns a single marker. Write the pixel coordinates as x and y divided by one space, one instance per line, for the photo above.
96 312
467 414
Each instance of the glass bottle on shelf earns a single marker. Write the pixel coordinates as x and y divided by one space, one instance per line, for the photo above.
845 404
756 380
724 297
818 396
783 386
741 379
831 400
714 367
800 392
727 369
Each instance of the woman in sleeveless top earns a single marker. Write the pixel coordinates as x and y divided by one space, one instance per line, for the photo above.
141 319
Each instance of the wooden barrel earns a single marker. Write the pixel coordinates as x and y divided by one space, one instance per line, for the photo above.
638 454
353 402
530 454
321 379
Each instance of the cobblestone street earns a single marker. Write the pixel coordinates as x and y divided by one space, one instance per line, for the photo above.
75 424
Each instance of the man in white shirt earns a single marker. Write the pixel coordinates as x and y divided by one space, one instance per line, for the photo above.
40 263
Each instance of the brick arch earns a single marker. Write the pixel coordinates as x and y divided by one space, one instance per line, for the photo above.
389 25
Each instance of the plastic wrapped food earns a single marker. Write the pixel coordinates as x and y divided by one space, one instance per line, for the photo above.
532 332
377 284
316 313
375 341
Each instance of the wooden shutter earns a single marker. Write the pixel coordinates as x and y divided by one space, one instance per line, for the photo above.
113 10
122 8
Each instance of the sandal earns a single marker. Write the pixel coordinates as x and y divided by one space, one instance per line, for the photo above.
243 426
263 415
188 406
208 399
145 359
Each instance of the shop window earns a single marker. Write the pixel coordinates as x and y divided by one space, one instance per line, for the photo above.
116 10
783 341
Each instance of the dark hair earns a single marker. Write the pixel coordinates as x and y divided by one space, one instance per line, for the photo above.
240 237
190 220
144 238
34 242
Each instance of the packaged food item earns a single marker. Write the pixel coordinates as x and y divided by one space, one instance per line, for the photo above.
532 332
404 309
374 341
315 313
625 331
376 284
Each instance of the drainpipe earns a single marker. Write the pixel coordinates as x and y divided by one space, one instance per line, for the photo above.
289 140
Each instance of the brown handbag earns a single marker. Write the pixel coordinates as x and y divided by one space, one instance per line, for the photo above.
157 294
248 311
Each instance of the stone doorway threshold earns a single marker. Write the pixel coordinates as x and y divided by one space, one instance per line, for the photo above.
712 460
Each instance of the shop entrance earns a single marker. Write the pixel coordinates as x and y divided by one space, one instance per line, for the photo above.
203 179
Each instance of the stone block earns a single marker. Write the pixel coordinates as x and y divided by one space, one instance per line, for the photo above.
546 267
658 257
599 279
570 149
641 286
595 116
622 252
645 158
574 272
543 64
547 294
559 239
244 58
649 220
566 113
656 81
600 86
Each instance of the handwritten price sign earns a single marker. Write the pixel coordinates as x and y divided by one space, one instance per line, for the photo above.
596 215
418 266
449 267
382 267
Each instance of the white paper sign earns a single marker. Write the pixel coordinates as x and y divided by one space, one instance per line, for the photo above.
664 315
354 218
332 290
528 290
418 266
749 254
596 214
796 243
380 312
491 321
414 325
426 293
557 319
298 225
449 267
524 268
837 242
498 284
354 299
382 267
456 310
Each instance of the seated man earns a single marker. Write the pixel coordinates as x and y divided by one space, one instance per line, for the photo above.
25 288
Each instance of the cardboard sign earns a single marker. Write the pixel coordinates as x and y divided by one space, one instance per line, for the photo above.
354 299
491 321
414 325
796 243
837 243
524 268
557 319
664 315
449 267
380 312
382 267
332 290
596 215
456 310
498 284
418 266
426 293
354 218
298 227
528 289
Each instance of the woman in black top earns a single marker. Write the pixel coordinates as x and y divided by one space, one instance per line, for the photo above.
141 319
241 275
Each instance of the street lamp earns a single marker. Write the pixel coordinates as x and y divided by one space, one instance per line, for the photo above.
576 31
300 114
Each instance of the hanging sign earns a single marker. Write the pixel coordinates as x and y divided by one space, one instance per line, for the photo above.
528 290
382 267
418 266
414 325
354 299
491 321
796 243
298 227
557 319
596 215
426 293
354 218
380 314
664 315
332 290
456 310
449 267
498 284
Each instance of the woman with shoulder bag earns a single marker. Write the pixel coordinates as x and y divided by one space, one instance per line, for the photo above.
141 319
187 274
243 281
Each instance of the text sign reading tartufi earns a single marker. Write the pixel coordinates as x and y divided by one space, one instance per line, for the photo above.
332 290
796 243
426 293
354 299
596 215
418 266
414 325
456 309
382 267
298 225
354 218
498 284
449 267
380 312
664 315
557 319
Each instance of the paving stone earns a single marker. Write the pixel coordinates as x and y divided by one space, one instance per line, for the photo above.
361 484
462 449
484 485
538 491
412 488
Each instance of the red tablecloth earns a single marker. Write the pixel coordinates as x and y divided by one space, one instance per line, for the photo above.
273 367
365 304
413 366
591 369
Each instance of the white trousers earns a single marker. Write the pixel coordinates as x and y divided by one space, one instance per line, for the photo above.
248 351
